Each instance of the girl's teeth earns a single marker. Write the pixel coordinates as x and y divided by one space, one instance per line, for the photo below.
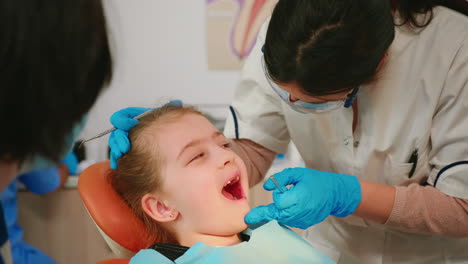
229 182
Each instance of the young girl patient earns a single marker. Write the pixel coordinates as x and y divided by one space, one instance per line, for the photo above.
191 190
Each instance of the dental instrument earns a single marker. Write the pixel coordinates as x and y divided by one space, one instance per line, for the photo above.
280 187
138 117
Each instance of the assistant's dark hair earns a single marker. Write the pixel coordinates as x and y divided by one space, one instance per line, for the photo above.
54 61
327 46
409 10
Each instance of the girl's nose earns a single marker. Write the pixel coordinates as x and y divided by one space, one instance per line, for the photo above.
226 157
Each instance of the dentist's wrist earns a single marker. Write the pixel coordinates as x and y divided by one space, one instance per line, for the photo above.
377 201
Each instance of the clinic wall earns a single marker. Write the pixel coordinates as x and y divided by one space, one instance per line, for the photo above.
159 50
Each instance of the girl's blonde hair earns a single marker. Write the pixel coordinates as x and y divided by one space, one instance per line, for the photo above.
139 171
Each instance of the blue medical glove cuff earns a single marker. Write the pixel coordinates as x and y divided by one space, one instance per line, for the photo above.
348 195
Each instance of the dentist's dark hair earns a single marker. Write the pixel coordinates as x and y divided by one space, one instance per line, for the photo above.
327 46
54 61
332 46
410 10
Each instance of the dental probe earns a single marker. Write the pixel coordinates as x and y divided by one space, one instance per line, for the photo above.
280 187
138 117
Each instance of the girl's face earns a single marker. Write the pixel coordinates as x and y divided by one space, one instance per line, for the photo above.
203 179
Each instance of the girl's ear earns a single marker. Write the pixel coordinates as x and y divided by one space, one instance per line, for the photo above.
158 209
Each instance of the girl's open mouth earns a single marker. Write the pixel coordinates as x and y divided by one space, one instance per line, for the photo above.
232 189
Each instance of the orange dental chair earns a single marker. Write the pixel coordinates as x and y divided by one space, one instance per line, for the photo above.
122 230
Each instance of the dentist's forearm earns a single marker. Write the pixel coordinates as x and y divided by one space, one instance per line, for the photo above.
414 209
377 202
427 210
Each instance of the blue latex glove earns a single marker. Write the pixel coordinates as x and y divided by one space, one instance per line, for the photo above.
313 197
41 181
124 120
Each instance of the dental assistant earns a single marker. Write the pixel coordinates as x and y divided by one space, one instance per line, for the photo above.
373 89
55 60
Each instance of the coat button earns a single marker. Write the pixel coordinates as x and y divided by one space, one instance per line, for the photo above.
356 143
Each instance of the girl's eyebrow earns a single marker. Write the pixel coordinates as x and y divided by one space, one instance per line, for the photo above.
196 142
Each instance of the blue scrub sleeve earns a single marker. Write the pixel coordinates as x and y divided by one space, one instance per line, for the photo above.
3 233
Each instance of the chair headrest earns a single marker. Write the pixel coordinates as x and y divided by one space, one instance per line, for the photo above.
109 211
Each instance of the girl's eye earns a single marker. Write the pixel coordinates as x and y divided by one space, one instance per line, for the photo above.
197 157
227 145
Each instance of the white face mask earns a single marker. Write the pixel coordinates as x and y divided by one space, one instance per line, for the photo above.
305 107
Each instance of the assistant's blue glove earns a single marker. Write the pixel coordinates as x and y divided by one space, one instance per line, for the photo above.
41 181
313 197
118 140
124 120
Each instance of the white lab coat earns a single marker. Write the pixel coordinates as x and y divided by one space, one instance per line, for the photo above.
420 102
